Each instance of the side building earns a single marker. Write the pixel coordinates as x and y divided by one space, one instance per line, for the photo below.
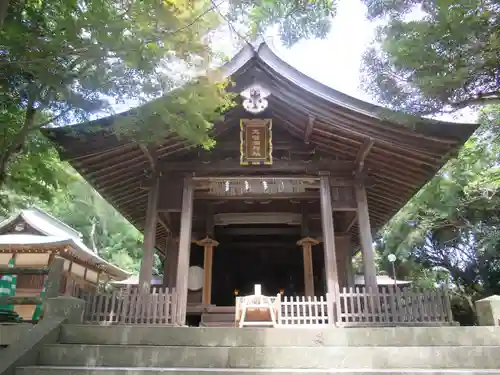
33 238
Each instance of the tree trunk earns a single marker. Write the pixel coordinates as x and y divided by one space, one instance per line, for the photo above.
17 142
92 235
4 8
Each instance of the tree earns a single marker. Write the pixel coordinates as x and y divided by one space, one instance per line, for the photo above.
62 61
444 61
103 229
36 173
453 223
292 19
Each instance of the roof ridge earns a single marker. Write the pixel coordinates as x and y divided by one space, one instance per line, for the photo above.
53 218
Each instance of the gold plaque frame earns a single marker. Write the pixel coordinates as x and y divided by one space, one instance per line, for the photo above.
256 146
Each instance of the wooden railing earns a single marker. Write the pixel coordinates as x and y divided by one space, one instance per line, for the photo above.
391 307
349 307
52 286
129 306
303 311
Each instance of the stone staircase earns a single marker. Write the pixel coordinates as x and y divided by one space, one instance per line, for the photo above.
218 317
135 350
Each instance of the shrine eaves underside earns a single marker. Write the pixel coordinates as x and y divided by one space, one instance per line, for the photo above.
315 129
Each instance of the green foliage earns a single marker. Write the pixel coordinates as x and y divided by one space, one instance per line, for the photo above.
293 19
34 172
63 61
453 223
103 229
445 61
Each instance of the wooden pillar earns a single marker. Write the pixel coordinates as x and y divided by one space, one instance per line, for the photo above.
170 263
146 271
332 282
208 246
307 243
366 240
349 271
166 270
184 249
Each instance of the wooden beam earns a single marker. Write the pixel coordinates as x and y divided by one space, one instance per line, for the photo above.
264 231
150 153
162 223
309 129
352 222
209 220
298 196
366 240
293 146
208 245
307 244
363 153
172 254
146 271
184 249
171 197
332 279
207 276
304 225
284 166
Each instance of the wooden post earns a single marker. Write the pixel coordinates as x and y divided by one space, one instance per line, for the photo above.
366 240
172 259
208 246
307 243
332 282
166 264
146 272
349 272
184 249
170 262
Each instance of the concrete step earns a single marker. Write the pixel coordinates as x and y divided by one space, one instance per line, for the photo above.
49 370
11 332
217 317
185 336
217 324
444 357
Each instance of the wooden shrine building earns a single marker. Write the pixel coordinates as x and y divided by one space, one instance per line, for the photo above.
299 180
33 238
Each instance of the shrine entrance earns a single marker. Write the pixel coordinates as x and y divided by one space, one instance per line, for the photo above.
292 154
249 255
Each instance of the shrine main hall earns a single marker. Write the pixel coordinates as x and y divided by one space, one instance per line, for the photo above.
299 180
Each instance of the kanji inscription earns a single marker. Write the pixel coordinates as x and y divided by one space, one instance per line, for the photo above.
256 141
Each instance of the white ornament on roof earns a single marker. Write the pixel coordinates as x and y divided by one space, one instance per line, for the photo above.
255 98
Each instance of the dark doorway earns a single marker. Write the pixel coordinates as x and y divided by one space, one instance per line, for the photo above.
249 255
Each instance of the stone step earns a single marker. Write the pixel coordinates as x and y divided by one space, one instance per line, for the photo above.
217 317
444 357
212 336
228 324
50 370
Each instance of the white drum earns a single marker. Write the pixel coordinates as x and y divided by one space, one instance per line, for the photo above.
195 278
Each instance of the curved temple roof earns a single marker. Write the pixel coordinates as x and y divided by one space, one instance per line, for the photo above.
54 233
400 154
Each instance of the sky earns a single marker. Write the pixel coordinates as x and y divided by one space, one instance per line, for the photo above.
334 61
